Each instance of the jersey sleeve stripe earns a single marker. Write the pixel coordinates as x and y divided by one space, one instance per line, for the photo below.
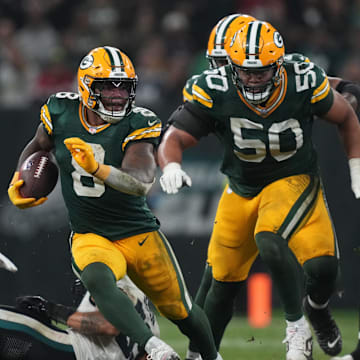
186 95
321 92
46 119
144 133
201 96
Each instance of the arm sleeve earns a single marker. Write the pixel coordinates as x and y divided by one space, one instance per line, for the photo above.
190 118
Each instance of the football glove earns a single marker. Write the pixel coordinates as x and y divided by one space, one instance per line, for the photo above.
354 165
7 264
16 198
83 154
174 178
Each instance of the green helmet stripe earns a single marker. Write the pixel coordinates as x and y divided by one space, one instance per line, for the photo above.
252 40
115 56
220 34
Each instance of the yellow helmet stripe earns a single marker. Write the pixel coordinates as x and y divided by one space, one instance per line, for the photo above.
321 92
45 117
144 133
220 34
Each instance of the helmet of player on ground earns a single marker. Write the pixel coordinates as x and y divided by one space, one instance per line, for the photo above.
107 83
220 38
256 57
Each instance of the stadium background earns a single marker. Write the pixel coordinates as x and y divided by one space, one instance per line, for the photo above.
41 45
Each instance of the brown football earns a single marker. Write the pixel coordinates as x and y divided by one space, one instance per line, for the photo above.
40 173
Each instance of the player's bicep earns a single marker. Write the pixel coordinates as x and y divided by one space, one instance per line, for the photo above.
339 111
181 138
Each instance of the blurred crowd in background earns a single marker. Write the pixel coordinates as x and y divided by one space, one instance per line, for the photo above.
42 42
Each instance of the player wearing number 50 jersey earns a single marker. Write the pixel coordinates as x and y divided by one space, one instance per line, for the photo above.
104 146
261 107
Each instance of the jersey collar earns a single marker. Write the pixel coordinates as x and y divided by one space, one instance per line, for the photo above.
90 128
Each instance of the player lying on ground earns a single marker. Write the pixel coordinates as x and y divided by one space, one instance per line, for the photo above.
28 330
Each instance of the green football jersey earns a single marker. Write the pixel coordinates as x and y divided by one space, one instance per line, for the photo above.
264 144
92 205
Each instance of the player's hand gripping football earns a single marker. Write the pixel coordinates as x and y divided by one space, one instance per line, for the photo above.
16 198
174 178
83 154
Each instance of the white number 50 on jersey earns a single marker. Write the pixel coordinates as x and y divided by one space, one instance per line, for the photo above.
257 146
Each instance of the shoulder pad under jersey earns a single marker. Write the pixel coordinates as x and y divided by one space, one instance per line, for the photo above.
209 85
56 105
144 124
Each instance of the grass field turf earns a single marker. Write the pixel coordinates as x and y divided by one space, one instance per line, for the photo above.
241 342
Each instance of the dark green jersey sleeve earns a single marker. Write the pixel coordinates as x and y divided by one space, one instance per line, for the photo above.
144 126
322 95
187 90
56 105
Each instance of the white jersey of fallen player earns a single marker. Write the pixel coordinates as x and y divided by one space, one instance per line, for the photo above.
105 347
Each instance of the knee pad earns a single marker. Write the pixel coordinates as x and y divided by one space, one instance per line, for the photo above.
322 268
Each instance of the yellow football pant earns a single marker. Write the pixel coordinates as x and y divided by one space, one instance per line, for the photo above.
293 207
148 260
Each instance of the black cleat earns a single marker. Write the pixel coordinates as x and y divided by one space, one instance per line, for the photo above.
325 329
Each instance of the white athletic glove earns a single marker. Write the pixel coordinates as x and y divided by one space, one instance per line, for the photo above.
174 178
7 264
354 165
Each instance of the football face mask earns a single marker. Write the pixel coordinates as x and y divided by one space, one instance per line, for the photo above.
113 96
256 58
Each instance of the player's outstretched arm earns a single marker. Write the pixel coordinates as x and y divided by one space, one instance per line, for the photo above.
91 323
344 116
169 157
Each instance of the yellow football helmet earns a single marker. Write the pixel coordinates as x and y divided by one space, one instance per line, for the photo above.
101 67
220 38
257 50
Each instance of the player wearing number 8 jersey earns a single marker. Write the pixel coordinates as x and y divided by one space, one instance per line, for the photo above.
261 107
104 146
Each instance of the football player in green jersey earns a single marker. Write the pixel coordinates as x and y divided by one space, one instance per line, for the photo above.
261 108
104 146
218 46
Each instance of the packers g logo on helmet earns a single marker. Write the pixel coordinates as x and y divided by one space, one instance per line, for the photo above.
256 48
278 40
220 38
106 65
